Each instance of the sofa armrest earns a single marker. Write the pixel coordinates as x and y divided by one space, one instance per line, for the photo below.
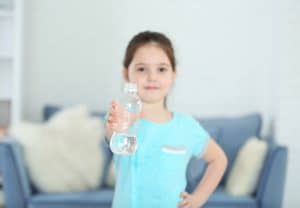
271 186
16 183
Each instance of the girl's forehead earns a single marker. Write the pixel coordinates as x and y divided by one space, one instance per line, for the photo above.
150 54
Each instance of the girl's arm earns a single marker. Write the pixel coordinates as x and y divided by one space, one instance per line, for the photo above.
217 163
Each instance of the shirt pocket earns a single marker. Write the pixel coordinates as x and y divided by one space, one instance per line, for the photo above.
174 158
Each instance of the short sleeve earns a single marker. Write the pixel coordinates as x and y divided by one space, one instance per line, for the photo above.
199 138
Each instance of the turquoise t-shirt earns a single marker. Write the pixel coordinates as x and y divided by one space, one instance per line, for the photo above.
156 174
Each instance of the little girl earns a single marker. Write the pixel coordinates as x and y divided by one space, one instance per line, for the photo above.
155 175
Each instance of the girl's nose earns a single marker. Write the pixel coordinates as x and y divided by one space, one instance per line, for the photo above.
152 75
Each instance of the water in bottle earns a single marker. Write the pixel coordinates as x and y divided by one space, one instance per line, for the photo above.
124 141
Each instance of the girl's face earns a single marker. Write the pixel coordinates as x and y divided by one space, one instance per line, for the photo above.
151 70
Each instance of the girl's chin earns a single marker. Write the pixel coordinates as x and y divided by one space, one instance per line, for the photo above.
151 100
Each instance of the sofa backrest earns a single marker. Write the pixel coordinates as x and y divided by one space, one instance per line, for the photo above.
234 132
229 132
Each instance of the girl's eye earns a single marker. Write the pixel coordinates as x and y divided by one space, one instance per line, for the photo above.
162 69
141 69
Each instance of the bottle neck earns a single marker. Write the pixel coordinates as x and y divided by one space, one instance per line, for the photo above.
131 92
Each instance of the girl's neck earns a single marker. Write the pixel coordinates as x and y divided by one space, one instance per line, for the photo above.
156 112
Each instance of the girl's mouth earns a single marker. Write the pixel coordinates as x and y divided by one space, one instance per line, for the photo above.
151 88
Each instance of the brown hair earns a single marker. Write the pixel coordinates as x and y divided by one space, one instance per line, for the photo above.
147 37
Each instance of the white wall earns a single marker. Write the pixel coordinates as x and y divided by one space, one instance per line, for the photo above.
288 80
68 54
232 57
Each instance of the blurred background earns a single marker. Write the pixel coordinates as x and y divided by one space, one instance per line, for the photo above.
234 57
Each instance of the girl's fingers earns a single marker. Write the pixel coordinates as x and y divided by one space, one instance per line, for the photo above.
117 115
117 112
115 105
183 204
184 194
111 125
114 115
111 119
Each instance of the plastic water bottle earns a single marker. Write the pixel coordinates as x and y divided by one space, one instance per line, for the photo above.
124 141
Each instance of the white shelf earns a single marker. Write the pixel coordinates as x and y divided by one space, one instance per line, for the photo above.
11 57
5 98
6 57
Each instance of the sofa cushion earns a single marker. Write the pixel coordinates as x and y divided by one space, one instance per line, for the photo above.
244 175
91 199
50 110
57 153
234 133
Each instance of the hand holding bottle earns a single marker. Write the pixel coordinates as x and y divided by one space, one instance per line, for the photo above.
119 119
121 124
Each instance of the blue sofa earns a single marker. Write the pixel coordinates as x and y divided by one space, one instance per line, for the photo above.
230 132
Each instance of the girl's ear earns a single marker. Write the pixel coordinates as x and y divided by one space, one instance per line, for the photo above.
125 74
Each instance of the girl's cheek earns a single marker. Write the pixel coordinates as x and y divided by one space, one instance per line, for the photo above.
133 78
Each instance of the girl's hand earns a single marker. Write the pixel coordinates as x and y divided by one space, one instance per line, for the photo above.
118 119
114 119
188 201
